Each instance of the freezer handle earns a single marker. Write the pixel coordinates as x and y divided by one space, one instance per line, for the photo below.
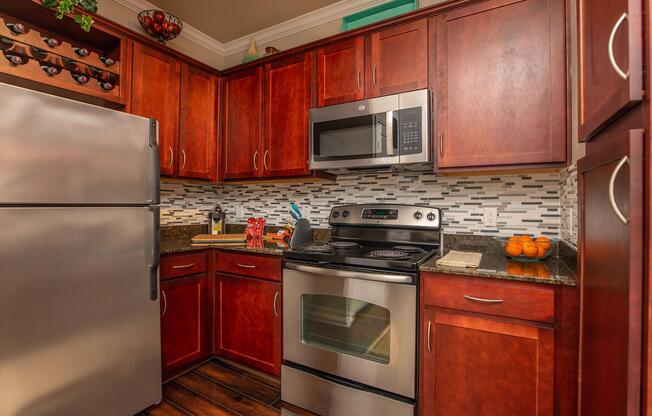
156 159
156 254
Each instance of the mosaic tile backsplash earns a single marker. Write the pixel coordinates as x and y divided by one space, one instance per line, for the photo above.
569 205
525 203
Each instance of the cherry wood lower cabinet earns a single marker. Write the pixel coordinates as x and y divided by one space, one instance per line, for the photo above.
248 321
184 321
482 354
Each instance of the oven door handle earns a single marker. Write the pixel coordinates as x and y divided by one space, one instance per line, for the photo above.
350 274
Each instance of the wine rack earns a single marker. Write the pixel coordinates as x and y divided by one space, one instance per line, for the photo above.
90 67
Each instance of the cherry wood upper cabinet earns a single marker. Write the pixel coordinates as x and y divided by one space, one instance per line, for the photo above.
399 59
248 322
341 72
611 188
610 61
184 321
287 102
156 84
198 124
479 365
242 95
501 84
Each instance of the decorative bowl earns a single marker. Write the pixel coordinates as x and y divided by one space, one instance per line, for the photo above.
160 25
545 247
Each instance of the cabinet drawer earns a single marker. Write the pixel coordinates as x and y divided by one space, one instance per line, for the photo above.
501 298
263 267
176 265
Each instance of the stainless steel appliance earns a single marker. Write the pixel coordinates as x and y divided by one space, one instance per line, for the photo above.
350 312
79 311
383 131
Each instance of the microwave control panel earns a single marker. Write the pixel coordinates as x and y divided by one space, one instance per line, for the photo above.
410 141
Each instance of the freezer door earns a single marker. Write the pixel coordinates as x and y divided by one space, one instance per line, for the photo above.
59 151
80 333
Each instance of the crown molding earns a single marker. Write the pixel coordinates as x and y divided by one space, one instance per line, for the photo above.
190 33
298 24
289 27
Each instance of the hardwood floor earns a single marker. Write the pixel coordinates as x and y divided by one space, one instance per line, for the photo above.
217 388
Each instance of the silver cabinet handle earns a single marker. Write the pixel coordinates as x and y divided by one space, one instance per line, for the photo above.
247 266
183 153
165 303
183 266
624 75
373 75
358 79
441 144
429 324
612 197
255 164
389 133
171 157
265 159
481 300
275 299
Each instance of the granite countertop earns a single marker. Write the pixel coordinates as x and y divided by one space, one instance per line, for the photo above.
180 245
558 269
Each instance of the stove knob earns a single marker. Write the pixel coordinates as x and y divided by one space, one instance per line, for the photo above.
431 217
345 214
418 215
336 214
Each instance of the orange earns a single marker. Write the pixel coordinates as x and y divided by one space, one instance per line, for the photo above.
541 251
513 238
524 238
530 249
513 249
513 268
542 271
530 270
543 242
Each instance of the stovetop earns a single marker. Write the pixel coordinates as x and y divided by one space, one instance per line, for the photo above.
387 256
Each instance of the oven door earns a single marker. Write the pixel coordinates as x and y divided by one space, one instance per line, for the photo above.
359 134
356 325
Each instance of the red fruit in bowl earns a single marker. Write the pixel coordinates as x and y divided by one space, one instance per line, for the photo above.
147 21
164 26
175 28
169 30
159 17
157 28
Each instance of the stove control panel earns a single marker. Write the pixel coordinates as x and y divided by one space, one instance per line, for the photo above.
386 215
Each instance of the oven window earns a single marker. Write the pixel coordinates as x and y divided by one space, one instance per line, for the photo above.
347 326
362 137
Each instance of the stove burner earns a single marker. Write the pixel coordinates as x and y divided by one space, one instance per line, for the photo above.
344 244
389 254
408 249
317 249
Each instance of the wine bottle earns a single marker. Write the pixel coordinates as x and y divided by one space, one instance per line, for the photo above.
79 77
15 59
51 42
107 61
81 52
50 69
17 28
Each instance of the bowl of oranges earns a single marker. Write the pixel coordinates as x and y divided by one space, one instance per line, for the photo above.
527 248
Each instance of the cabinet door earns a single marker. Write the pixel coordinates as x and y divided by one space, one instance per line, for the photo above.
242 136
483 366
611 281
399 59
198 125
340 72
184 319
156 83
610 61
248 322
501 84
287 102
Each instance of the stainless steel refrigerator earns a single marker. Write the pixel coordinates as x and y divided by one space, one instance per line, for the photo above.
79 232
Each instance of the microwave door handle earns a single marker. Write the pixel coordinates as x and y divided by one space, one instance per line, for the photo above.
389 133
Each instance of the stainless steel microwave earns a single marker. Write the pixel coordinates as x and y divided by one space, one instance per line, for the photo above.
378 132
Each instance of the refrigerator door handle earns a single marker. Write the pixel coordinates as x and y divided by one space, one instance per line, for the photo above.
156 254
153 144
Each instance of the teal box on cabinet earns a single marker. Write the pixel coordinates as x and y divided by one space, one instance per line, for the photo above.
377 13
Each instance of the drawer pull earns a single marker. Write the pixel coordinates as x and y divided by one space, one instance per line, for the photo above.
247 266
184 266
481 300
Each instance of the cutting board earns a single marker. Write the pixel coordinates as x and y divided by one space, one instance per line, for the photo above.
219 238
